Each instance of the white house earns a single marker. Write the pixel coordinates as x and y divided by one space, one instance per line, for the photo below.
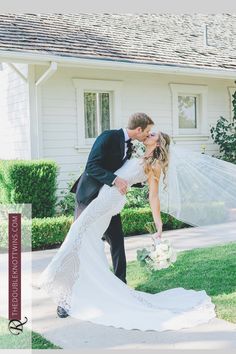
66 77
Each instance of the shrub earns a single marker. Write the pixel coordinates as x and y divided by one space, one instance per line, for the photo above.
26 238
48 232
224 134
29 182
136 198
66 205
134 221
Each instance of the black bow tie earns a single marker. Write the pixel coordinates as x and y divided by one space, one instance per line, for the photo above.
128 141
129 149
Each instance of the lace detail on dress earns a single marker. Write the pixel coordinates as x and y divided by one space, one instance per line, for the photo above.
60 286
63 271
139 297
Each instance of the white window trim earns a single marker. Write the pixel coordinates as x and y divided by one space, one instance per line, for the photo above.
231 91
82 85
202 132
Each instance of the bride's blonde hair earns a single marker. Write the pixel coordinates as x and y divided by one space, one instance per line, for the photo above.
161 155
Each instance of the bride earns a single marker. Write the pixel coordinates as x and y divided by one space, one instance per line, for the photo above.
79 278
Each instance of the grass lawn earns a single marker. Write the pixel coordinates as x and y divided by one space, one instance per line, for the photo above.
39 342
22 341
211 269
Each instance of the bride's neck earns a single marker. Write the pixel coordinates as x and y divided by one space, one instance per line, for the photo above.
148 151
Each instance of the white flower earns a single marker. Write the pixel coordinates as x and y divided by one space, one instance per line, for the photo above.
161 255
138 149
164 247
164 264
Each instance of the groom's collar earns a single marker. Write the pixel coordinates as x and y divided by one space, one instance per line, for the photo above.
126 134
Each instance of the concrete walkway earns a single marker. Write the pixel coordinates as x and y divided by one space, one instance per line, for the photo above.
75 334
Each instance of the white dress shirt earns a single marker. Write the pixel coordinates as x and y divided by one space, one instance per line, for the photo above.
126 138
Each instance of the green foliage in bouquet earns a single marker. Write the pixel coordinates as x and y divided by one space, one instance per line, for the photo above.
142 256
145 260
224 134
162 255
148 261
29 182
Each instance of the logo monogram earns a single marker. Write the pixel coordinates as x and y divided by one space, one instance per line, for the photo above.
17 326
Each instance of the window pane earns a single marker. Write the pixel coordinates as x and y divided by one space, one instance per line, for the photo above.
90 113
104 110
187 112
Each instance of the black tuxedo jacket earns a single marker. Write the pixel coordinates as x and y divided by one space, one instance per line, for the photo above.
105 157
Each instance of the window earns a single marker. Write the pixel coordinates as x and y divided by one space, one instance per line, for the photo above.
187 107
98 108
189 111
96 113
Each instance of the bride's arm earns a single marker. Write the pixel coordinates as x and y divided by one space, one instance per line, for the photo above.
153 182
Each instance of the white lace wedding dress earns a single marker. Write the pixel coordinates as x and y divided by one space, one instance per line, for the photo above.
79 279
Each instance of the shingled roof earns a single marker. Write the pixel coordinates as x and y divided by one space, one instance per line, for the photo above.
162 39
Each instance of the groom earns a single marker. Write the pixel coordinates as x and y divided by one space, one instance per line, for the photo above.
109 152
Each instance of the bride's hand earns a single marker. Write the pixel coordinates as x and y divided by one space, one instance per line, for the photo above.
159 230
121 184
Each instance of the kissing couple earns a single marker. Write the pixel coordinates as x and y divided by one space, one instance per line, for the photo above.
79 279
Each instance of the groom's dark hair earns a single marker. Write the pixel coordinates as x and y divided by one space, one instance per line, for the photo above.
139 120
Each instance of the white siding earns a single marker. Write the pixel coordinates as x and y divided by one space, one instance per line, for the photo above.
14 114
144 92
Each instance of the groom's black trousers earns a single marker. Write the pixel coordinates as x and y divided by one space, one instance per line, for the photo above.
115 237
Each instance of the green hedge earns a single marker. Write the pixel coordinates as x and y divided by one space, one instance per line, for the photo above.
26 235
39 233
51 232
134 220
33 182
48 232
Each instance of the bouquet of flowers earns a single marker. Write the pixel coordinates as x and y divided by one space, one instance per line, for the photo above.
138 149
162 255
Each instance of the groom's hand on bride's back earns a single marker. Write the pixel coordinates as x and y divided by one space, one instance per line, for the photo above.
121 184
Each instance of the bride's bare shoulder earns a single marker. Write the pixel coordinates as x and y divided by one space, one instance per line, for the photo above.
156 172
